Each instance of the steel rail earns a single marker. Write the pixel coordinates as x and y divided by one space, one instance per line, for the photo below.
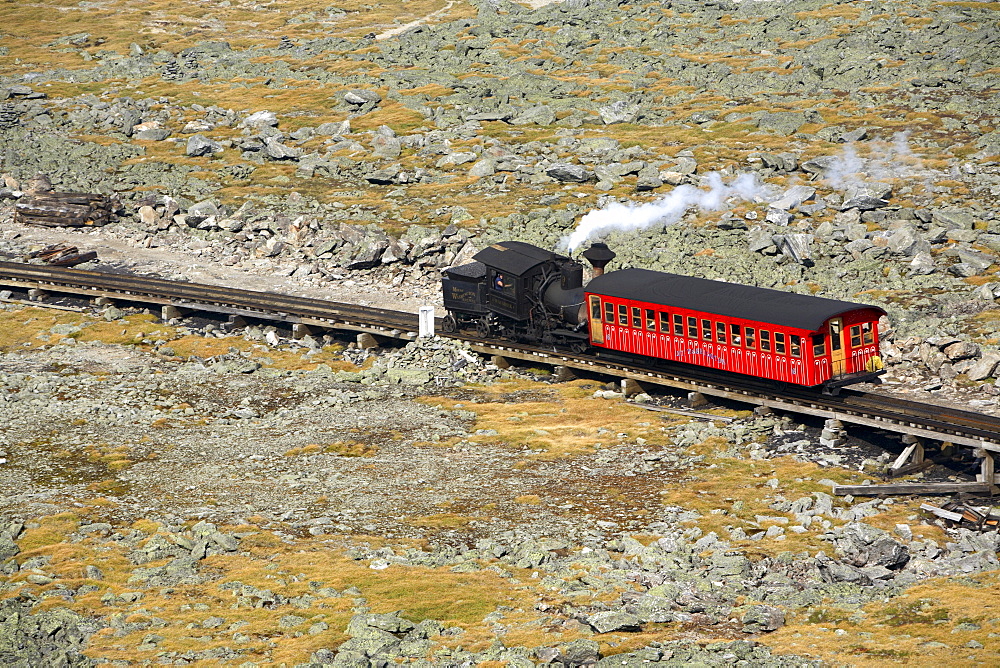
864 408
214 298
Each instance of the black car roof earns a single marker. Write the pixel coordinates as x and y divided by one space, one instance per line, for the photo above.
514 257
785 309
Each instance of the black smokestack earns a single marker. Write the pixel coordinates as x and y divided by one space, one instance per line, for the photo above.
599 255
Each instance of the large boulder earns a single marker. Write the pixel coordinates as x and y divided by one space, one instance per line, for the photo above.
762 619
984 367
537 115
781 122
260 120
793 197
385 143
275 150
568 172
360 97
867 196
860 545
200 145
614 620
907 241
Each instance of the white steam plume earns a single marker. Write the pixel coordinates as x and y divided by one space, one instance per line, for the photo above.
666 210
886 161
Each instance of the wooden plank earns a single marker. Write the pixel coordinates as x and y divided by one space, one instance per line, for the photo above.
929 488
987 472
911 468
941 512
903 457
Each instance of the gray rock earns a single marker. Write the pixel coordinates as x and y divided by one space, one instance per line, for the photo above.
359 97
867 196
796 247
260 120
620 111
984 367
385 143
781 122
567 172
962 350
152 134
334 129
975 259
907 241
581 652
820 165
951 219
759 238
862 545
484 167
762 619
537 115
793 197
614 620
964 270
199 145
8 548
274 149
836 571
922 264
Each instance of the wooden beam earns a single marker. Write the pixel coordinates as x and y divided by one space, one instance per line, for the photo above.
929 488
903 457
941 512
987 473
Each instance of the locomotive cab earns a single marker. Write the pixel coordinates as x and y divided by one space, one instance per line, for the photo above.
518 291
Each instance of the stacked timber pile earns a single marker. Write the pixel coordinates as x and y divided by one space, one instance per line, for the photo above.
53 209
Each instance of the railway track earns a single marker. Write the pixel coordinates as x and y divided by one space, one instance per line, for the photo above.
892 414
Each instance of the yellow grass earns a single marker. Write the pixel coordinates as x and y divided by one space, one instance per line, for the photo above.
560 421
897 632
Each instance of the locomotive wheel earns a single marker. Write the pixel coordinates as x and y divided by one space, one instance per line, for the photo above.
449 324
578 347
483 328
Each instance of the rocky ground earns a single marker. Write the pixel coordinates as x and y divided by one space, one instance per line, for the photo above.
179 492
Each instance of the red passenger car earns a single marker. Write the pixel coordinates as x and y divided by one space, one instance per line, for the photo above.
765 333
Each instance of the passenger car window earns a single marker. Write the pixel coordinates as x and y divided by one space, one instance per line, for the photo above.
595 308
779 343
720 332
609 312
664 322
637 317
679 325
692 327
623 315
765 340
796 345
856 336
751 337
819 345
651 320
735 331
868 332
706 330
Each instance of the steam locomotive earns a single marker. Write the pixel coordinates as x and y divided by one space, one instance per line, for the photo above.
520 292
